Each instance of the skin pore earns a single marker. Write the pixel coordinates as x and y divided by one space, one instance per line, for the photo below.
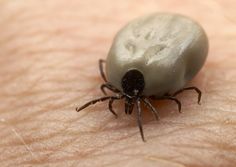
49 52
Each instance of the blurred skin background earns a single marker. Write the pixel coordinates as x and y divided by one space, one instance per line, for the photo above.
49 53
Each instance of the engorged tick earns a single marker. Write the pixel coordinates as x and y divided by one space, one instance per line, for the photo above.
153 57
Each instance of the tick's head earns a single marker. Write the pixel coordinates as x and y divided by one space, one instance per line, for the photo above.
133 83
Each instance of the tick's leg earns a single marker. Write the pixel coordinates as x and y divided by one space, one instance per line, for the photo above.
139 119
169 98
101 69
150 106
110 105
175 100
131 107
190 88
108 86
127 106
93 102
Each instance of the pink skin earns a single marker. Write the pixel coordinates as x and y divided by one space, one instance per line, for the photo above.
48 66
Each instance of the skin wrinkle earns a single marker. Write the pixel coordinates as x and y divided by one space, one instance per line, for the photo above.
21 140
161 158
188 146
115 162
45 138
224 12
47 108
39 139
40 100
26 146
199 162
173 162
48 35
38 92
62 131
52 150
176 133
84 155
45 35
46 99
156 159
142 156
92 153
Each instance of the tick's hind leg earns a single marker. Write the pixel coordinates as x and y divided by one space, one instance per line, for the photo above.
151 107
175 100
169 98
101 69
190 88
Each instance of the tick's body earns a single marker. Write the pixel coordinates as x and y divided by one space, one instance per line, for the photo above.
168 49
153 57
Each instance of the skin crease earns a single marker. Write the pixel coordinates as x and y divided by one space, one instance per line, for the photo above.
48 66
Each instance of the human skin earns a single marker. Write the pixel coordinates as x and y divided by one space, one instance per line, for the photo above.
49 53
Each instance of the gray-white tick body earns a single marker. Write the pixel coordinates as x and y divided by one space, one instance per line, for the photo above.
168 49
152 57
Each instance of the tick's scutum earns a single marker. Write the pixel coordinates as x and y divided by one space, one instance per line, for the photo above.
133 83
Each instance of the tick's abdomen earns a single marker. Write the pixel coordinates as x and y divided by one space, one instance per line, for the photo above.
168 49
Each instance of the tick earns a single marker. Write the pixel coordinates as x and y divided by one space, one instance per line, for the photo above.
152 57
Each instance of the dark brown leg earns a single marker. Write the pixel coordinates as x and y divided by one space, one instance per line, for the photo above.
126 107
111 108
175 100
169 98
139 119
190 88
108 86
95 101
129 105
101 62
150 106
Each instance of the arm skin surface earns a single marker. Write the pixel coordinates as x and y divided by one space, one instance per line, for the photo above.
49 53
